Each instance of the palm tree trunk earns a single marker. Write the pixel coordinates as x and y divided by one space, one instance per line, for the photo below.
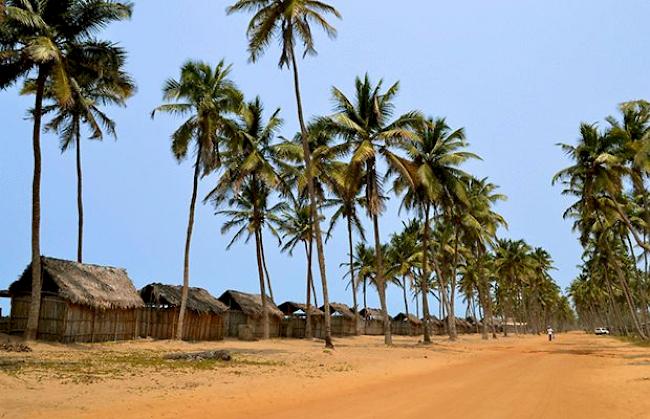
260 272
614 306
406 301
381 283
451 316
312 198
31 330
630 301
266 271
188 240
630 227
365 294
308 331
353 281
424 283
80 205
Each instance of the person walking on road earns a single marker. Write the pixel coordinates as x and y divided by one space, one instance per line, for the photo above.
550 332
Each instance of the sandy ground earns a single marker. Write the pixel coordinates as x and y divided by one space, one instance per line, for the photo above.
576 376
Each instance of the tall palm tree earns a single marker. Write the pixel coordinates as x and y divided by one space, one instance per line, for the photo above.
290 21
433 182
92 88
248 163
404 254
296 227
38 35
514 268
250 214
479 234
596 178
364 124
346 201
208 96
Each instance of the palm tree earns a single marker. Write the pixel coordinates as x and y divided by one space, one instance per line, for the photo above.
432 182
597 179
252 213
289 21
296 226
479 234
92 88
207 95
249 173
346 201
364 266
39 35
404 255
364 124
513 267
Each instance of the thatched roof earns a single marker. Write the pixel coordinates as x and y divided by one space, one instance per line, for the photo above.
198 299
4 294
460 322
473 321
340 309
290 308
434 320
250 304
372 314
402 317
101 287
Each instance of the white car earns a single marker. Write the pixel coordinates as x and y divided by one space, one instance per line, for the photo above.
601 331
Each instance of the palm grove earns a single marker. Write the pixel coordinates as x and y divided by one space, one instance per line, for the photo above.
608 184
340 168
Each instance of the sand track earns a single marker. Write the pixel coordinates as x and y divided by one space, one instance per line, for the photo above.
576 376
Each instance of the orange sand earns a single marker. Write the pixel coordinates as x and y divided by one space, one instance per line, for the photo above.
576 376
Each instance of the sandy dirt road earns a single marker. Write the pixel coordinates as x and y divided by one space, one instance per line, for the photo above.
576 376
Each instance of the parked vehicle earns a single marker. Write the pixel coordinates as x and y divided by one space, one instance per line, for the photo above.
601 331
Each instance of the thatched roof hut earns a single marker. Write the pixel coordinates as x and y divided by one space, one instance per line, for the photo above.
250 304
246 310
406 325
373 314
80 302
340 309
291 308
294 324
198 299
411 318
98 287
343 321
204 318
373 321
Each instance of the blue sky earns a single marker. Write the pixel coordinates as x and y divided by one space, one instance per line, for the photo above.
518 75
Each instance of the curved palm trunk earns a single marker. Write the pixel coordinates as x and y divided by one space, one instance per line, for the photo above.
266 271
614 307
630 227
80 204
313 207
424 283
645 325
381 282
188 240
352 279
31 330
260 271
308 331
630 302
